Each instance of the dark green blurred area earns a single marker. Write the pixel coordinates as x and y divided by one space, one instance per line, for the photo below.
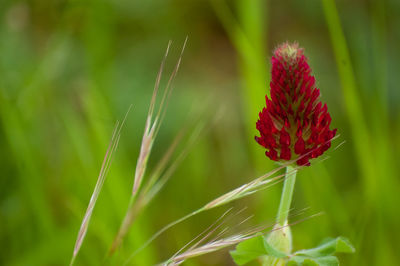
70 69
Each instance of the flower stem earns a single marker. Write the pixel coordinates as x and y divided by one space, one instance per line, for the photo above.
287 193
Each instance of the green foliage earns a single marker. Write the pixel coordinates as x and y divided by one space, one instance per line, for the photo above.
249 250
253 248
329 247
311 261
322 255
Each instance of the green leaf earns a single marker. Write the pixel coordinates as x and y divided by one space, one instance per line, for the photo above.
272 251
343 245
253 248
249 250
337 245
308 261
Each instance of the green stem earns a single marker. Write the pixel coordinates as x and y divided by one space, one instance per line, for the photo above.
287 193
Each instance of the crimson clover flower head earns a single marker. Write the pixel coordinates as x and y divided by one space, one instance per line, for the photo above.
294 124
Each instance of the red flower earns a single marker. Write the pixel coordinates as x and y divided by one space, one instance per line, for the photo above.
294 123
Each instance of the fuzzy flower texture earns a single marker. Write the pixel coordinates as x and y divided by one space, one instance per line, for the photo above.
294 124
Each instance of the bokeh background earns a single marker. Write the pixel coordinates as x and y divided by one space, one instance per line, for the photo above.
70 69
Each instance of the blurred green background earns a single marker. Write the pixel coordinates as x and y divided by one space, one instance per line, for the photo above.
70 69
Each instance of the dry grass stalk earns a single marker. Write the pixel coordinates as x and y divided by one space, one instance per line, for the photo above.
157 180
235 194
254 186
207 248
219 242
99 184
152 127
149 131
163 174
163 163
215 243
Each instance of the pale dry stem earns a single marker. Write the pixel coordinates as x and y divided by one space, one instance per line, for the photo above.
218 243
245 190
152 127
99 184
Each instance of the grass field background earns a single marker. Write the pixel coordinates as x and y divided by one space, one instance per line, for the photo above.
70 69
